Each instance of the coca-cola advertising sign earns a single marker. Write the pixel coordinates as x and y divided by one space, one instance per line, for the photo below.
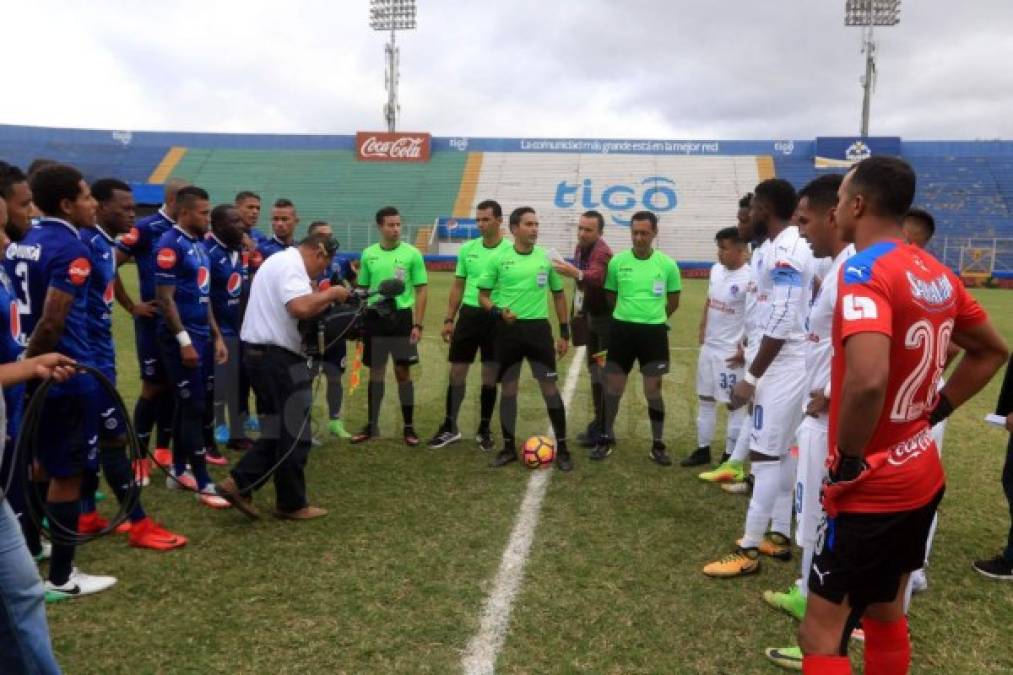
382 146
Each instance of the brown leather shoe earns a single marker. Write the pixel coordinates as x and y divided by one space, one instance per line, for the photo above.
305 513
230 491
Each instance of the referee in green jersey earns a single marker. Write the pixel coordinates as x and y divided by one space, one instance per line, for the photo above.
643 287
475 328
519 276
395 337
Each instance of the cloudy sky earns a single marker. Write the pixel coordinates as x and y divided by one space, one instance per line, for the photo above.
733 69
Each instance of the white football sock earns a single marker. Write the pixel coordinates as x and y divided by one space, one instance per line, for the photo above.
735 423
766 488
706 420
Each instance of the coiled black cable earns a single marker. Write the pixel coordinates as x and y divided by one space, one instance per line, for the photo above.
25 449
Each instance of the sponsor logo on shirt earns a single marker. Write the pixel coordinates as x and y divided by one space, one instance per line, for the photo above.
109 294
79 271
15 319
234 285
912 448
938 291
858 307
166 259
24 252
130 238
203 279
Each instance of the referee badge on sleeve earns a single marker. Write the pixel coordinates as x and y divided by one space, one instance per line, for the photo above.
542 279
659 286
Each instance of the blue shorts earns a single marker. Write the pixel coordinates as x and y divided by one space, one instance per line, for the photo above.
191 384
67 433
14 400
105 408
149 354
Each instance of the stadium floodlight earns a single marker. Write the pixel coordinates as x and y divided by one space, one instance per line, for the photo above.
867 14
392 16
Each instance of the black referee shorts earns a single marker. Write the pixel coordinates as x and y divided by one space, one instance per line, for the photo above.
475 331
526 339
389 338
599 328
862 556
645 343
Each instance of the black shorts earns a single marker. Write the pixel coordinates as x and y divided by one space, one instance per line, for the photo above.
599 329
389 338
862 556
529 339
645 343
475 330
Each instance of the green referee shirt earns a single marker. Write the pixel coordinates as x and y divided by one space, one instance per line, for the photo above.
472 260
642 286
521 280
402 262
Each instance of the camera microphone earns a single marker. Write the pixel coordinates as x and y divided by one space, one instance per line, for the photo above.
391 288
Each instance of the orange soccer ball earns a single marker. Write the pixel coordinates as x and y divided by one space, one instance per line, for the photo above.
538 452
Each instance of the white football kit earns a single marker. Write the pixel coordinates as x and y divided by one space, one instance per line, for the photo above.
726 309
777 403
812 433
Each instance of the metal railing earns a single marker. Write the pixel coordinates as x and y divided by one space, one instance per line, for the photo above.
982 256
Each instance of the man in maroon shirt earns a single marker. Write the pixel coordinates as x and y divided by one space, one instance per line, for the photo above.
590 314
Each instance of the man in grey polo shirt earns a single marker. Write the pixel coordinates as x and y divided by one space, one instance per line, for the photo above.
281 295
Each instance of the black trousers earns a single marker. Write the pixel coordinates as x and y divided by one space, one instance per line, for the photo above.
281 381
1007 487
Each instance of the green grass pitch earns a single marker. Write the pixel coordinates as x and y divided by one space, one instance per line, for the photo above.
393 580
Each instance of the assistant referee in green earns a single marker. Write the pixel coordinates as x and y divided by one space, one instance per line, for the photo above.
520 277
642 286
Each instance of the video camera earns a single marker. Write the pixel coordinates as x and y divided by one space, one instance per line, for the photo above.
347 320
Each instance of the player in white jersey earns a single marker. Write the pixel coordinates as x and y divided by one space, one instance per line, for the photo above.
775 382
919 228
731 468
721 329
817 201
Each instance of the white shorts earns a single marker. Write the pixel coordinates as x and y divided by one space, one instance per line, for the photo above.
938 432
714 378
777 407
812 461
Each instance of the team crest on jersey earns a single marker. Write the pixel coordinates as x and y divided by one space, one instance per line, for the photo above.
734 289
203 279
256 259
130 237
166 259
234 285
938 291
79 271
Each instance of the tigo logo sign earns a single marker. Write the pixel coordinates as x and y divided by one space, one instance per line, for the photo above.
655 193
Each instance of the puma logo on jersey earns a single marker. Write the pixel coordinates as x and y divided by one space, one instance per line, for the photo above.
858 307
820 574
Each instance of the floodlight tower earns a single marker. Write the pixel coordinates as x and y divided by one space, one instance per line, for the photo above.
392 15
867 14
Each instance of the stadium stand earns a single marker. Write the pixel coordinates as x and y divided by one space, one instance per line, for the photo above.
967 185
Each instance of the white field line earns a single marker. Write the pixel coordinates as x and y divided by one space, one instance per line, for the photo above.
483 649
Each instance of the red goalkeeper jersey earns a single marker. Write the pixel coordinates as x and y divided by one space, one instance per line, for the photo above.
904 293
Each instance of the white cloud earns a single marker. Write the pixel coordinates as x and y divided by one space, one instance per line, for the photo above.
737 69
